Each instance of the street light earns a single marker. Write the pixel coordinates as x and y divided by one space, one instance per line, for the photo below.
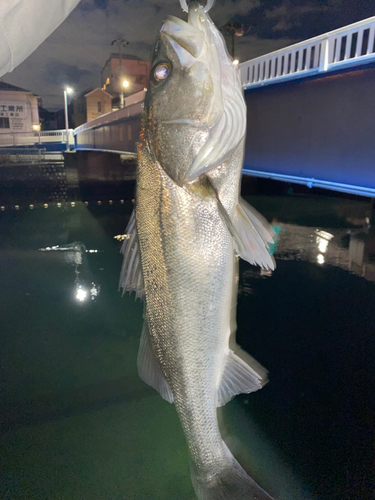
67 91
233 29
120 42
125 83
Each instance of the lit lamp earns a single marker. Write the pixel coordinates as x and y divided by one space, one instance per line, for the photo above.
67 91
125 85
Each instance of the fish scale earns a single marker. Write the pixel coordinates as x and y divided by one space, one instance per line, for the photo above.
181 253
188 332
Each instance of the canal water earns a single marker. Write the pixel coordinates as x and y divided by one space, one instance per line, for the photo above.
76 421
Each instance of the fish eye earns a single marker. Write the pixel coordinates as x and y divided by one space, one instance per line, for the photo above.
162 71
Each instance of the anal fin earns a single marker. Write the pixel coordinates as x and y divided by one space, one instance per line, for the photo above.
149 369
242 375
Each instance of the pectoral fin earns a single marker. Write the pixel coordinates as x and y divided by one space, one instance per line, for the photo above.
249 231
149 368
242 375
131 278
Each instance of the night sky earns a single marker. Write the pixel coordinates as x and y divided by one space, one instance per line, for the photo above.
77 51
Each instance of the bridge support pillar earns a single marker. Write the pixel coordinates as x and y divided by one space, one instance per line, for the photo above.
102 175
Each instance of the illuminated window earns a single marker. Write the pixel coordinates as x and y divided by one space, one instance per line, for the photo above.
4 123
107 82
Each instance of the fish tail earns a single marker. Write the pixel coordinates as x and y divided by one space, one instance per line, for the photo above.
232 483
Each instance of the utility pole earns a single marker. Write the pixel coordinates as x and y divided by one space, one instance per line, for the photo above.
233 29
120 42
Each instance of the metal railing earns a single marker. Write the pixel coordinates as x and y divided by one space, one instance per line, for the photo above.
351 45
19 155
32 138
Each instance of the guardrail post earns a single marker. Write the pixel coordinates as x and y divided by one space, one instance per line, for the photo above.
323 63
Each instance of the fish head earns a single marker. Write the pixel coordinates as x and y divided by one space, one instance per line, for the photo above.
194 111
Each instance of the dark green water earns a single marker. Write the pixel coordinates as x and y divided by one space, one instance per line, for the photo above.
76 421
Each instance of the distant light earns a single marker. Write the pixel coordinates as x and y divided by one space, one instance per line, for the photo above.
322 239
36 127
236 62
81 294
69 90
322 244
59 205
320 259
17 207
31 207
45 205
72 204
125 83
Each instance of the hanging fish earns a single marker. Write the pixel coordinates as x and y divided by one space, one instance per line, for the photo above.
184 237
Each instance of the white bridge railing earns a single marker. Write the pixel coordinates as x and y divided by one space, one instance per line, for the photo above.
32 138
350 45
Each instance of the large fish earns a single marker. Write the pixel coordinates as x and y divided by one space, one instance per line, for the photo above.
184 236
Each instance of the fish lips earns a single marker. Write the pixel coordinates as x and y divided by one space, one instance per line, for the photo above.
186 40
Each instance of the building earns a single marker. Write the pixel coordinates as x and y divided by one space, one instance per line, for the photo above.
18 109
47 119
98 102
89 105
78 109
133 70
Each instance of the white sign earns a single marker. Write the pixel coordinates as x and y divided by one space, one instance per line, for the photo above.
16 112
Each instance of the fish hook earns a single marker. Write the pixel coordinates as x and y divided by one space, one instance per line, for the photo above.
185 7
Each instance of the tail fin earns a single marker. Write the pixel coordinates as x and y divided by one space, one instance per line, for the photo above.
232 483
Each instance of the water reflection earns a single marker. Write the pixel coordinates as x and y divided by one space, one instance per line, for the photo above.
349 249
75 255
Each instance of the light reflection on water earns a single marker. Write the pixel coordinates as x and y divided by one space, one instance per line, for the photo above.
78 422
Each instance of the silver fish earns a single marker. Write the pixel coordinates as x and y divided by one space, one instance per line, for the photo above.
184 237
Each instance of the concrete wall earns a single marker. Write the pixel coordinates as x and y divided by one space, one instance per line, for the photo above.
321 128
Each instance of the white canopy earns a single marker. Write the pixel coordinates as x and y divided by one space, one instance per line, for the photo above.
25 24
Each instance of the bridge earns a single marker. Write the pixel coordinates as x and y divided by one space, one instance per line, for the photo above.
35 146
310 114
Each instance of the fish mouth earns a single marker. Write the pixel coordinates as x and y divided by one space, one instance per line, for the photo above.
183 35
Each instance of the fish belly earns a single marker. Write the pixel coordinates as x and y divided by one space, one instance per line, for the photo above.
187 259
